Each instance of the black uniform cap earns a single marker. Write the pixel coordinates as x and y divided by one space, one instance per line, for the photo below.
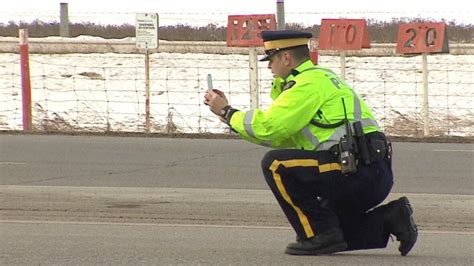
278 40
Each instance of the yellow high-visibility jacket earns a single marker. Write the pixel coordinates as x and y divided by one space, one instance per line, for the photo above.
309 93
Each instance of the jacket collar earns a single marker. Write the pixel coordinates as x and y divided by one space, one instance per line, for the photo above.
302 67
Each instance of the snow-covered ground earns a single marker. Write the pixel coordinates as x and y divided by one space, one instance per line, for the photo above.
106 92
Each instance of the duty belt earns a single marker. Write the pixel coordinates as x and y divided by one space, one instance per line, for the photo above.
378 146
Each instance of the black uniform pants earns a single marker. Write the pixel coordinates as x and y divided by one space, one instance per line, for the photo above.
315 196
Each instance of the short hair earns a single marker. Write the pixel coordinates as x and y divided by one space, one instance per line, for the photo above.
300 53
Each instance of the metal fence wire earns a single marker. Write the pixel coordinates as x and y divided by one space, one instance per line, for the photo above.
106 92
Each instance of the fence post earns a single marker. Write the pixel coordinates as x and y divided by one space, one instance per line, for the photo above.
280 15
25 80
343 65
147 90
313 50
64 20
253 68
426 116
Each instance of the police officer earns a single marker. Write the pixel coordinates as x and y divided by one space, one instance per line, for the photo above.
311 122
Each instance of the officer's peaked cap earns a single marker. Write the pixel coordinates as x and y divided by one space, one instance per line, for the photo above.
277 40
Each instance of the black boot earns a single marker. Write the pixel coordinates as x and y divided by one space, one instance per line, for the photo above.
327 242
398 218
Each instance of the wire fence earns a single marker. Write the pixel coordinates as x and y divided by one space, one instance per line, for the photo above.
106 92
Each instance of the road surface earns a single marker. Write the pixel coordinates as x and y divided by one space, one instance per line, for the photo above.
132 200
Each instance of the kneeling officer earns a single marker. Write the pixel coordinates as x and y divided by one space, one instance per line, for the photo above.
332 164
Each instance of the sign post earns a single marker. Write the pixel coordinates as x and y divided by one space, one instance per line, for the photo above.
146 33
423 38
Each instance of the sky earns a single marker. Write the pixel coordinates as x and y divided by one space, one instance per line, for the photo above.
203 12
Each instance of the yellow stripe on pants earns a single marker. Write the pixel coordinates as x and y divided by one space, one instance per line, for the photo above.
299 163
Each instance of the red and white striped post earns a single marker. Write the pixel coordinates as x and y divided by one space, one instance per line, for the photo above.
313 50
25 80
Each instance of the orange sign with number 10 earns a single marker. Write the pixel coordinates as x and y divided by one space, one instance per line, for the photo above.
343 34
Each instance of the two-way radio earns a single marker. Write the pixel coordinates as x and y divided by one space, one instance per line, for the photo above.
347 148
362 144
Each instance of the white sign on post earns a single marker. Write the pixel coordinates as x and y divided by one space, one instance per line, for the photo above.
146 30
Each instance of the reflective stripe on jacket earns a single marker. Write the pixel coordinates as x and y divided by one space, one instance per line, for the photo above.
316 93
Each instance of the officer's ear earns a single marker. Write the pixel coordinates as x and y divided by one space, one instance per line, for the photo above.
287 57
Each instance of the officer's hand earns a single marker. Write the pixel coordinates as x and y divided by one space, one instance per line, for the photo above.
216 100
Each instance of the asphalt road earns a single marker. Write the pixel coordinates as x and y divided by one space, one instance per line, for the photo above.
441 168
131 200
138 244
